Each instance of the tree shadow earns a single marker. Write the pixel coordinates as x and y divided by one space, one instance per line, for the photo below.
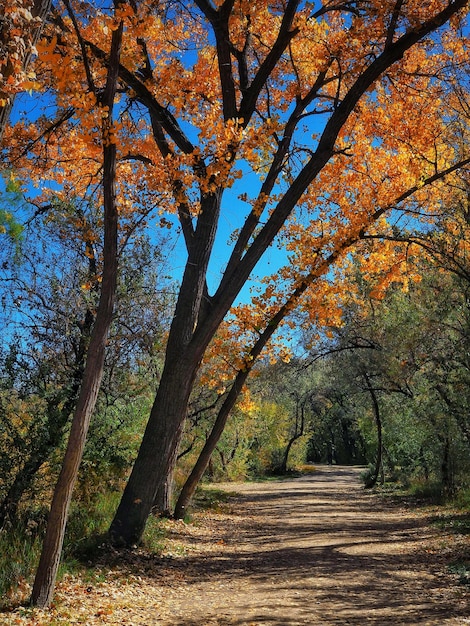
317 551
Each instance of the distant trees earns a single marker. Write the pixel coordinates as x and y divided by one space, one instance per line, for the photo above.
284 396
402 359
48 293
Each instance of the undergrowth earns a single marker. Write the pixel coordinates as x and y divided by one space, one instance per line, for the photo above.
19 555
206 498
21 544
84 544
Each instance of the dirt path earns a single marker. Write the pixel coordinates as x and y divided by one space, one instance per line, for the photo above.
315 550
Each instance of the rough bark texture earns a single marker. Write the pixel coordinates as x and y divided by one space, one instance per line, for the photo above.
163 499
44 583
156 456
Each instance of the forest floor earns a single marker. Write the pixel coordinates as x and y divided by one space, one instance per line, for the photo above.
316 550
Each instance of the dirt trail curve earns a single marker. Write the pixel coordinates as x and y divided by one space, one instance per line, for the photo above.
315 550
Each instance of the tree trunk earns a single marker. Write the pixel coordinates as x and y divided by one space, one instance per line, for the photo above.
423 463
185 348
46 574
285 456
202 462
378 461
9 505
151 470
37 457
447 473
298 431
163 499
204 458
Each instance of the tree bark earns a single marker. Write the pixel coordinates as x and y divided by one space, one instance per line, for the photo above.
163 499
46 574
185 348
202 462
378 421
447 473
297 434
151 470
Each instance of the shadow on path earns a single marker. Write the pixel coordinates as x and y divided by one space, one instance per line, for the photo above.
315 550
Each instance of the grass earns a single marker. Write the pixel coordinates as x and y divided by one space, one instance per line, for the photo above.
462 499
414 492
19 555
210 498
85 541
21 544
154 535
453 522
452 515
462 570
430 491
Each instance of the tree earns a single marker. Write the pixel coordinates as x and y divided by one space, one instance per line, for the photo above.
49 293
46 574
438 256
405 349
256 100
308 107
289 390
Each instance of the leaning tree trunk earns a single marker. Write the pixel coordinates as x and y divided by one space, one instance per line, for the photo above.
285 456
202 462
204 458
372 481
185 348
23 480
151 471
298 432
44 583
37 457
